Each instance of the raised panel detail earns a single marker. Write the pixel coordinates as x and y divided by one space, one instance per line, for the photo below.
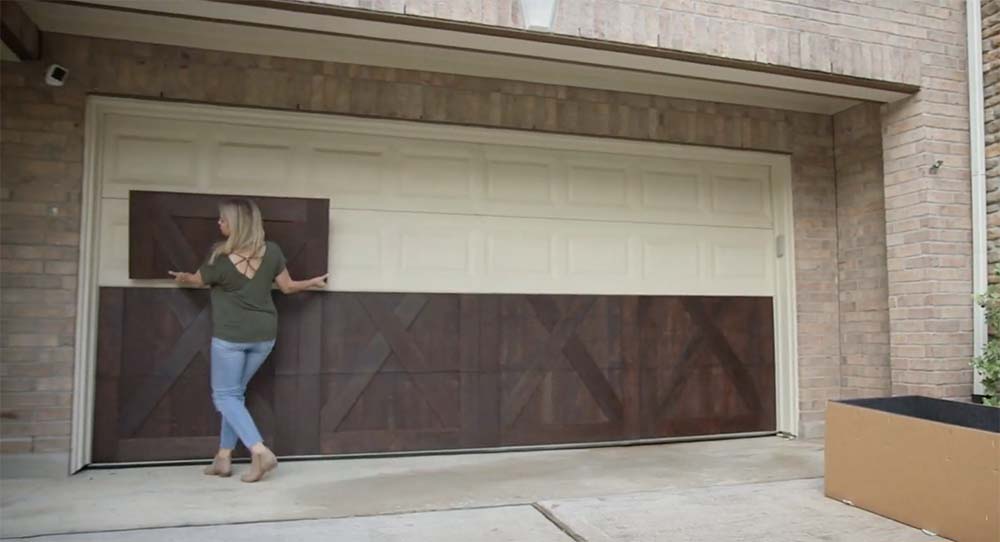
743 261
244 163
357 249
593 186
735 195
346 171
519 182
440 177
517 253
434 250
674 258
153 161
743 193
597 255
670 191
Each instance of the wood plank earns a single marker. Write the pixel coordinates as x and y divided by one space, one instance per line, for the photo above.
488 408
631 358
287 360
111 314
469 339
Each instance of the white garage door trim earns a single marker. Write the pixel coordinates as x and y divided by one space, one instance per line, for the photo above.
632 224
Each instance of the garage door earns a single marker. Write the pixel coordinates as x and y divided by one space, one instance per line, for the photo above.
489 288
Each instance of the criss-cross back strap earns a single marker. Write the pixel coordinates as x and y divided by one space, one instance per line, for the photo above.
247 260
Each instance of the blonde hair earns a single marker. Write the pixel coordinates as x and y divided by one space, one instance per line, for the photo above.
246 228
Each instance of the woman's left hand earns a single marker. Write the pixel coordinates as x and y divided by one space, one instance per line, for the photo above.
187 279
318 283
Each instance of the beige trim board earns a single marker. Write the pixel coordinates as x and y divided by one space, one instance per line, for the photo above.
256 30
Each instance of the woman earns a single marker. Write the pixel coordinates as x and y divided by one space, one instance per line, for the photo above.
241 271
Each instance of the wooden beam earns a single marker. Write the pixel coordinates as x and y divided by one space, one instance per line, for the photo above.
19 33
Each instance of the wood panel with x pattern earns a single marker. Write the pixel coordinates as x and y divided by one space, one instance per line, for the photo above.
391 338
170 230
708 336
464 370
194 319
563 342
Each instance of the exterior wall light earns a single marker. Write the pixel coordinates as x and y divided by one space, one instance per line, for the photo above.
538 14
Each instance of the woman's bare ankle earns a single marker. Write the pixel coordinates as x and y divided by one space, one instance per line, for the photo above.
224 453
258 448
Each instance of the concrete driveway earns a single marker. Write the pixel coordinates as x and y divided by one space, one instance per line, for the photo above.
750 489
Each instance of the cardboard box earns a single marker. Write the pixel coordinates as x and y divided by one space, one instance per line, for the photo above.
928 463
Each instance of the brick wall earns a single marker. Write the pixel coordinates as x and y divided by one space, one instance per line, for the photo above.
929 219
874 39
41 169
863 286
991 95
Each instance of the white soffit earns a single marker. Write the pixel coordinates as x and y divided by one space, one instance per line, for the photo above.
238 28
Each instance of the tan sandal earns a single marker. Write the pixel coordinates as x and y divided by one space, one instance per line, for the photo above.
260 464
221 466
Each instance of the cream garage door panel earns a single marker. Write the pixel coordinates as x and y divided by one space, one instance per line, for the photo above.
141 154
740 192
451 213
392 251
387 172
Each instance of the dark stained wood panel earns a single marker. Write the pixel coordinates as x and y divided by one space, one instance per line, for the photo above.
391 372
561 369
707 365
383 372
176 231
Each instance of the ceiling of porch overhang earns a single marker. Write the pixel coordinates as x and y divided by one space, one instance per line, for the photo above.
286 29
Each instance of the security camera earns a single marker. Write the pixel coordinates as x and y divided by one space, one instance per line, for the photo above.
936 166
56 75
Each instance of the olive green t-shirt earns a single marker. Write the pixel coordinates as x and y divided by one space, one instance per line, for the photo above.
242 308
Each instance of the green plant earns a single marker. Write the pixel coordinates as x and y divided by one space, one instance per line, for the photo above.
988 364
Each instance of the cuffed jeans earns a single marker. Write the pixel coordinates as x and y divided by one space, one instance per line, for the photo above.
233 365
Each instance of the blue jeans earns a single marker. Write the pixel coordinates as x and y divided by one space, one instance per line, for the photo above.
233 365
